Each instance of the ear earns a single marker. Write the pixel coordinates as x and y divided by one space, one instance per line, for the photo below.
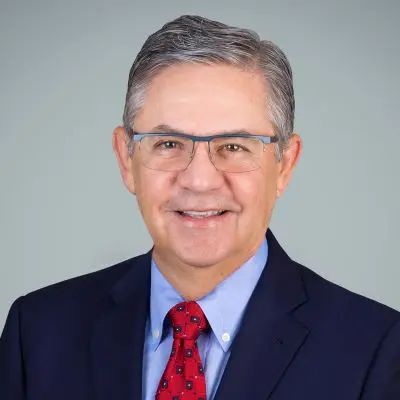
125 160
288 162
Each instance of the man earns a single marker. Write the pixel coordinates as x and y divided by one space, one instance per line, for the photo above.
216 309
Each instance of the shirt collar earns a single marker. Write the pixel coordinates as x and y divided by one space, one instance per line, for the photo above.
223 307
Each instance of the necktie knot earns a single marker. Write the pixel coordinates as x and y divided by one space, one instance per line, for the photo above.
188 320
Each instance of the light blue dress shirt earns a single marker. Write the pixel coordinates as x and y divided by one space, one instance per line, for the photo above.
223 307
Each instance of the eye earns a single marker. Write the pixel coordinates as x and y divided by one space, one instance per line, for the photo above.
234 148
167 145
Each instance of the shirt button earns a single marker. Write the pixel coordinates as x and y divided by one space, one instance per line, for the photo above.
226 337
156 333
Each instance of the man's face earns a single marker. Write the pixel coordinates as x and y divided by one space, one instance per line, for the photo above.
205 100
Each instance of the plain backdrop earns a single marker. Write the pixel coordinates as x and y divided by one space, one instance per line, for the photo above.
64 68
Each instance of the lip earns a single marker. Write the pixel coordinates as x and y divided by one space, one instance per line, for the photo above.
202 210
207 222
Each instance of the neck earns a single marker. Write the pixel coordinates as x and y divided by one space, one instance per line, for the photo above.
194 282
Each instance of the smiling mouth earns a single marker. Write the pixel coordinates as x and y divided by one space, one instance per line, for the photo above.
202 214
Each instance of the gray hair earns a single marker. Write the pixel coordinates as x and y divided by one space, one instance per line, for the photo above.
194 39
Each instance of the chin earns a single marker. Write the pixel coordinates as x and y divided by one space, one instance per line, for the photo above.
202 258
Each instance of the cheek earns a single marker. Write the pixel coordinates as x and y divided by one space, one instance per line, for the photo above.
255 191
152 192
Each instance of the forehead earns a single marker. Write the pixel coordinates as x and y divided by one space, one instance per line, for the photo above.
203 99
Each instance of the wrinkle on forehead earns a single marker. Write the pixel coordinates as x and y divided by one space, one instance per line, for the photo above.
204 99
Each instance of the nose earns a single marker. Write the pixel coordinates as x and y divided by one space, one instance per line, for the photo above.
201 175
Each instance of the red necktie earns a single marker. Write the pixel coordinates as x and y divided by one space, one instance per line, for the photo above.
183 378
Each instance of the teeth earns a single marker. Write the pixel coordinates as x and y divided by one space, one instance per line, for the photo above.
202 214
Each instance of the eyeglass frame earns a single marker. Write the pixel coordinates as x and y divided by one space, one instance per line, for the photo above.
137 137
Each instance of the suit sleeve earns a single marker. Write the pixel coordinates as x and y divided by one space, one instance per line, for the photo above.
12 380
383 381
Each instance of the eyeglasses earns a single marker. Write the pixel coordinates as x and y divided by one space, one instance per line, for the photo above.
236 152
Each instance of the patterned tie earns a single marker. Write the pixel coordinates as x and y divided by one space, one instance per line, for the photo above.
183 378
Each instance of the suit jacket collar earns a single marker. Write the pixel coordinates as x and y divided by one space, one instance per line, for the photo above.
118 334
263 348
270 336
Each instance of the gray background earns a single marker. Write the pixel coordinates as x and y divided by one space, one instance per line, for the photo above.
64 69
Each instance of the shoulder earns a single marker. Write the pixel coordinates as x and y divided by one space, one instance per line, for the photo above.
76 295
337 306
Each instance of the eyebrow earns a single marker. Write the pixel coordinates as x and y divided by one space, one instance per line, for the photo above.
165 128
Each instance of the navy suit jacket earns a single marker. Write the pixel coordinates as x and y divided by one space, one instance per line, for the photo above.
301 337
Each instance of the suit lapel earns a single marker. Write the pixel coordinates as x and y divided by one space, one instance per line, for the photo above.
270 336
118 335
